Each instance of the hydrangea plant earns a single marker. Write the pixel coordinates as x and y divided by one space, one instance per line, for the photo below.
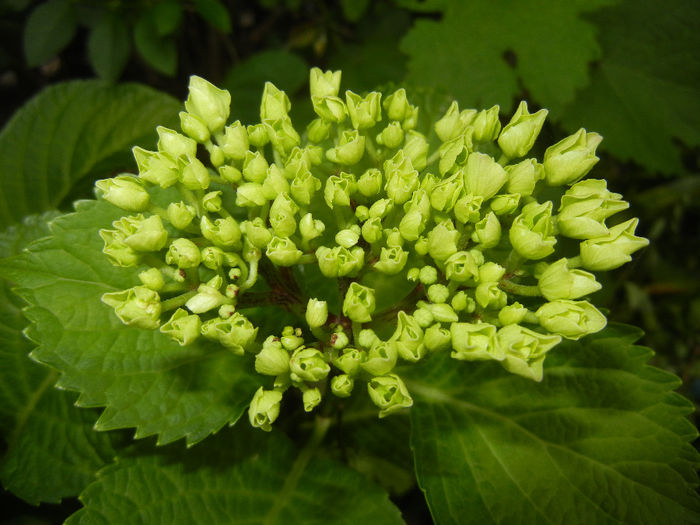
452 240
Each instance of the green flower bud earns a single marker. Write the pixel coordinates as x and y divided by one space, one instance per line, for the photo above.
437 338
174 144
362 213
370 183
467 209
442 241
475 342
349 361
453 123
118 253
348 237
183 253
338 190
308 364
316 313
423 317
310 228
211 201
391 261
532 231
339 340
212 257
525 350
410 121
412 225
257 135
249 195
350 149
393 238
195 175
235 332
570 159
571 319
272 360
381 208
523 176
138 306
519 135
359 303
396 105
455 152
391 136
401 178
124 191
275 103
584 208
389 394
342 385
461 267
152 278
416 149
208 103
381 358
207 298
182 327
230 174
304 186
486 125
489 295
257 233
224 233
194 127
264 408
367 338
255 167
282 251
216 156
614 249
275 183
440 312
512 314
142 234
311 398
234 142
438 293
505 203
330 109
318 130
446 193
420 202
282 214
291 338
487 232
324 83
364 112
156 168
461 302
283 136
484 176
491 272
428 182
408 338
559 282
428 275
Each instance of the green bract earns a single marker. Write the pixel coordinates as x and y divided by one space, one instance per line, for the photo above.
409 237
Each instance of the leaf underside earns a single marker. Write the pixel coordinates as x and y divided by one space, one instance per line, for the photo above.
603 439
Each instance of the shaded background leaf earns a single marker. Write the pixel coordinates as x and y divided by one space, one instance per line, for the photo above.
109 45
49 29
603 439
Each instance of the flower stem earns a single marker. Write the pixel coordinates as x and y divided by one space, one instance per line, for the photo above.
176 302
519 289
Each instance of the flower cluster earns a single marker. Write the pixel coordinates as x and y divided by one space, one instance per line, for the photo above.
226 216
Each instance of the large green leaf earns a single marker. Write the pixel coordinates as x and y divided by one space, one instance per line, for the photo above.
243 476
644 96
142 378
483 51
52 451
603 439
69 131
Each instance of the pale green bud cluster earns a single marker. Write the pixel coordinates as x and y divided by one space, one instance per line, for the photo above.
226 216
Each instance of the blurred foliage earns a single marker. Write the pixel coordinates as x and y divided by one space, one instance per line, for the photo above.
627 69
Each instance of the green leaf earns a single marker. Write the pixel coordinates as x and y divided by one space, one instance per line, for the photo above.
245 81
467 53
167 15
108 47
644 96
141 377
50 27
70 131
215 13
158 50
52 451
354 9
603 439
244 476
